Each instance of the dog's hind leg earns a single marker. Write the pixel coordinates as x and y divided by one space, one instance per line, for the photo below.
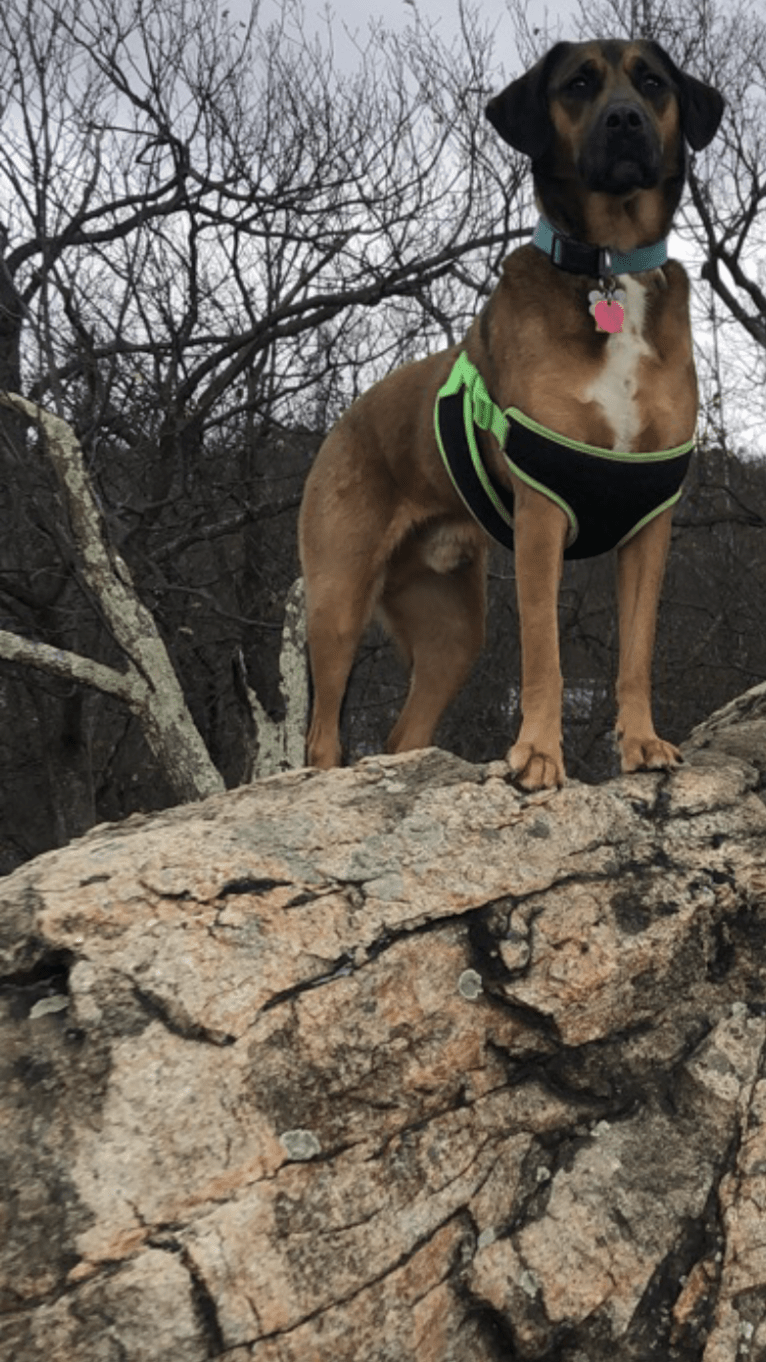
338 609
346 533
437 619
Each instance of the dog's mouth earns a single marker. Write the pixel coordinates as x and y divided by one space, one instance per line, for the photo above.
621 170
631 172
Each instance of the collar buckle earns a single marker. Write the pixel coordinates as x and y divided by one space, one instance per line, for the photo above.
558 244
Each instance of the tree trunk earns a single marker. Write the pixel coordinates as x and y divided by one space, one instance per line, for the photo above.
396 1063
149 683
11 319
274 745
65 734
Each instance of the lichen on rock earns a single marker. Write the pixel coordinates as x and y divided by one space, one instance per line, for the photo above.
395 1062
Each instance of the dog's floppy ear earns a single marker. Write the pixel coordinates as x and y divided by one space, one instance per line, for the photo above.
701 105
520 112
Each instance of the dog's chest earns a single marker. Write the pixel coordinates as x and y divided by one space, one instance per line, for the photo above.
616 387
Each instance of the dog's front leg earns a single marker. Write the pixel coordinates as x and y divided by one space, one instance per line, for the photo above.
640 570
539 533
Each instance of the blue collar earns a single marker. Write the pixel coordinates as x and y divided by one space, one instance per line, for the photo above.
599 262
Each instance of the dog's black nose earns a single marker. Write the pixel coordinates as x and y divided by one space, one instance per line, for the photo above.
624 117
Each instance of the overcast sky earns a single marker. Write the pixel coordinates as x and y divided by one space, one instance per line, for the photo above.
350 20
354 17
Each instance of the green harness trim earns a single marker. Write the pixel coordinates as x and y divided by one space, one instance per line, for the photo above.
478 410
605 505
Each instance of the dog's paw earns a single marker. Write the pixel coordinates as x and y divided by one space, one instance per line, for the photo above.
322 750
534 769
649 753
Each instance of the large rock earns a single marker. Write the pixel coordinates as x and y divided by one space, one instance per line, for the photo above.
395 1063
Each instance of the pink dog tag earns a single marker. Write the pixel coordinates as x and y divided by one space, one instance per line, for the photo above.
609 315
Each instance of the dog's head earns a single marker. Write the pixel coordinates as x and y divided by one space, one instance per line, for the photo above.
608 117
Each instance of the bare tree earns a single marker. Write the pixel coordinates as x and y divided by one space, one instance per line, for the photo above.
202 217
188 192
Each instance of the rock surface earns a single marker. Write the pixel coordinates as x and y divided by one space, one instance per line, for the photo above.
395 1063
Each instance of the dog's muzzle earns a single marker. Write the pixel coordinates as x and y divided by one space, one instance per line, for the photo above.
622 152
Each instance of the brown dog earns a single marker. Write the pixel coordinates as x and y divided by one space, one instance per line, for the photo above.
388 521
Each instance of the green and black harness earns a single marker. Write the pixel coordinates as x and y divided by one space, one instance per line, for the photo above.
607 495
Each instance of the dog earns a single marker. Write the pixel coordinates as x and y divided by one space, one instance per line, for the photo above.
562 425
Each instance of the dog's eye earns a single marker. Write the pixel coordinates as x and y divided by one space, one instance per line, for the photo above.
652 82
578 84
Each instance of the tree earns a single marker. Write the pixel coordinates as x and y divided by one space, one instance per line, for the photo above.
149 684
202 216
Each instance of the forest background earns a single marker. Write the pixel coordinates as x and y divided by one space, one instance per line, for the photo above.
213 236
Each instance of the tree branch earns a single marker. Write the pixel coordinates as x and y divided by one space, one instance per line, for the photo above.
71 666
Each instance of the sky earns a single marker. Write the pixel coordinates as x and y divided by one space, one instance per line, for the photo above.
350 20
355 15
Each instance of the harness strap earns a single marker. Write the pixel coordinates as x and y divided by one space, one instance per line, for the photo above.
486 413
462 404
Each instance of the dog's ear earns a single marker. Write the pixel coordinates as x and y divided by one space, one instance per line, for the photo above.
701 105
520 112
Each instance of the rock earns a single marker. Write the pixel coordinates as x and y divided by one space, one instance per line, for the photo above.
395 1063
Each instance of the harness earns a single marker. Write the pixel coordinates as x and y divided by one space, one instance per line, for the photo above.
607 495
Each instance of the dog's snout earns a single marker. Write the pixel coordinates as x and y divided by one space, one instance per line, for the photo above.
623 151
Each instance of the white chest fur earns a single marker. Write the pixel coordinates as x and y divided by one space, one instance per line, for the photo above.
615 388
